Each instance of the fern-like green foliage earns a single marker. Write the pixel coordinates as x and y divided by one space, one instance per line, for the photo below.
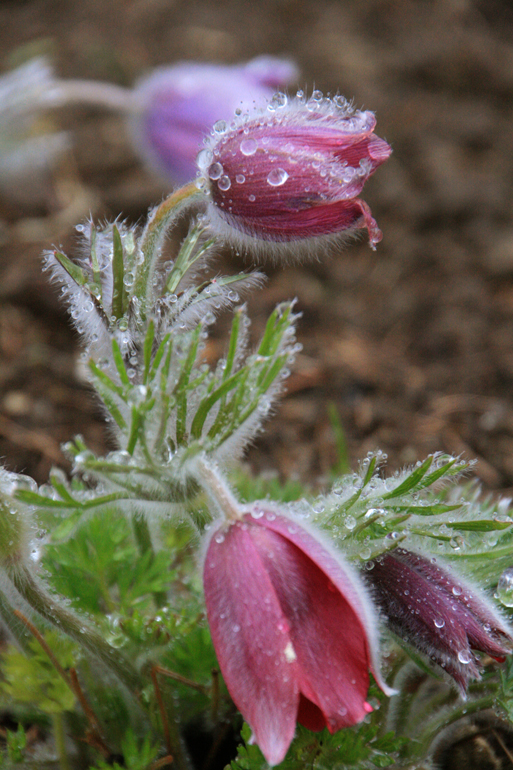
110 558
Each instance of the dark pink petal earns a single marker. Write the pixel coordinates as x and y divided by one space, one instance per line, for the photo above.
328 627
437 613
320 219
310 716
326 634
339 574
251 639
295 174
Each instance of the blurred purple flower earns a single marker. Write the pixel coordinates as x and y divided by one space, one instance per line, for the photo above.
437 613
176 106
292 628
293 172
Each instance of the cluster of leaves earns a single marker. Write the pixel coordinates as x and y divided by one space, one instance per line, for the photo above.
365 747
116 545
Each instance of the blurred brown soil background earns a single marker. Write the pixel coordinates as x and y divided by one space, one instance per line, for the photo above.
413 343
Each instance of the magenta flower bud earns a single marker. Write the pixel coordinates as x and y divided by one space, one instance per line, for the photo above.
176 106
437 613
292 628
293 173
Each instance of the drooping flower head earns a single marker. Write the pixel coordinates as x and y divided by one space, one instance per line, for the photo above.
293 172
292 628
437 613
175 106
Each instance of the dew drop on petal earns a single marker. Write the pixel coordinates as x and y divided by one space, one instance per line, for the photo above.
278 101
240 178
465 656
277 177
215 171
439 622
248 146
204 158
220 127
224 183
505 588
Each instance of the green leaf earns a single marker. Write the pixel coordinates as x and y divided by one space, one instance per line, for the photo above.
120 364
483 525
76 272
34 680
118 273
413 480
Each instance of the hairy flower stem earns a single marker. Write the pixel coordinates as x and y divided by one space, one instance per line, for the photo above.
421 745
215 486
153 239
8 616
144 544
60 741
74 627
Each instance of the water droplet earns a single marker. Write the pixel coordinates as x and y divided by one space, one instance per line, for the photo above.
220 127
215 171
252 198
439 622
278 101
235 628
248 146
277 177
340 103
137 395
204 158
219 538
465 656
240 178
505 588
350 522
224 183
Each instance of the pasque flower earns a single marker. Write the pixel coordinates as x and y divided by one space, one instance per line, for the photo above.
293 172
175 106
292 628
436 612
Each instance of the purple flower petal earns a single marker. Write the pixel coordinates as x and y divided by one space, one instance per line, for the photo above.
437 613
176 106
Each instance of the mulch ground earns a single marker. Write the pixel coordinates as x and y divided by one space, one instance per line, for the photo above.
414 343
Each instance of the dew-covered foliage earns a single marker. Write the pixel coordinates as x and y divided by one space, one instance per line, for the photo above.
108 653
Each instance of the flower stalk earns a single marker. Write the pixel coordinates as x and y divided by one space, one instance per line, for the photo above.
152 240
77 629
222 498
